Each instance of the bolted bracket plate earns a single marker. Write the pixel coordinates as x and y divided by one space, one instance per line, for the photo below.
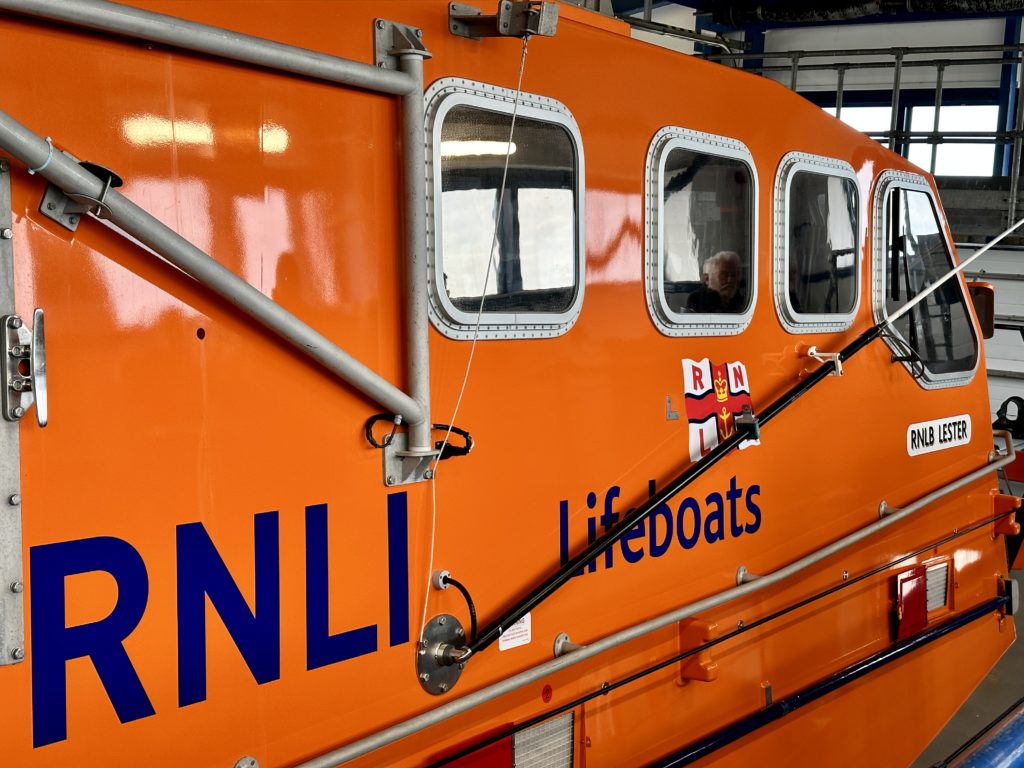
515 18
402 467
435 677
392 40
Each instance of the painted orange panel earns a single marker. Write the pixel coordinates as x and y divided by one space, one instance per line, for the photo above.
237 473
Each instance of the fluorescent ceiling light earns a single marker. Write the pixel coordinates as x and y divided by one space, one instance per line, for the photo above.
477 148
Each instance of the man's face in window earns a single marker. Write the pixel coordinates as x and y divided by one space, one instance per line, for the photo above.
724 278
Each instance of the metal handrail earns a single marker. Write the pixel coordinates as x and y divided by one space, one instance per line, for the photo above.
406 83
495 690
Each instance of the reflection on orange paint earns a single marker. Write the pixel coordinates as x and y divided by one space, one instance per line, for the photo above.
169 407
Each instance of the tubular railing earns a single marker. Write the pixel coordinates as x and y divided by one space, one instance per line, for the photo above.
406 83
941 58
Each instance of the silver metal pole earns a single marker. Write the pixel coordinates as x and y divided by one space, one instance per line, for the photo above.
648 4
73 179
1015 157
416 321
940 71
894 117
214 41
840 77
482 696
794 70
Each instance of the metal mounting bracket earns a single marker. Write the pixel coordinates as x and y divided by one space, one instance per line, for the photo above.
827 357
23 373
67 210
402 466
392 40
438 672
12 604
514 18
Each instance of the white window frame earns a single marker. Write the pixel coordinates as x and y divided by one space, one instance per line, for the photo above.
667 321
451 321
888 181
800 322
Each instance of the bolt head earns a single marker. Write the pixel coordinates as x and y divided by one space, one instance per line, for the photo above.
428 475
18 654
380 23
846 575
6 233
51 206
740 624
72 219
442 687
442 621
425 677
14 322
460 631
18 412
17 587
389 480
14 499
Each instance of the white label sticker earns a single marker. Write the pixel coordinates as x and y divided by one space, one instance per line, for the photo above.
939 434
516 635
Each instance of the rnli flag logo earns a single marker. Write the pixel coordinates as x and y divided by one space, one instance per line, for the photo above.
715 396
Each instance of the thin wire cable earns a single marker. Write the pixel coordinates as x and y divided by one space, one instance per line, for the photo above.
476 331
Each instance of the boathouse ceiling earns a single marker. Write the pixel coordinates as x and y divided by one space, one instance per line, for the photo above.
770 13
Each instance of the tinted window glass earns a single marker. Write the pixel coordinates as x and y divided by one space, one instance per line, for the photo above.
822 245
534 266
706 246
939 328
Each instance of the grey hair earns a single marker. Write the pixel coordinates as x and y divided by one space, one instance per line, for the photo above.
719 258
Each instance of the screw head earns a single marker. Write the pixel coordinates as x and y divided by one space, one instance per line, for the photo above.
740 624
14 499
419 33
442 687
425 677
389 480
442 621
51 206
17 587
428 475
17 412
6 233
846 575
460 631
14 322
72 219
18 654
380 23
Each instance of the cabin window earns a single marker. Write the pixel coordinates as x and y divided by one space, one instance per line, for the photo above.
935 340
817 249
508 241
700 230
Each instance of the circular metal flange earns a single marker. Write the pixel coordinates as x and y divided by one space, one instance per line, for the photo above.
443 632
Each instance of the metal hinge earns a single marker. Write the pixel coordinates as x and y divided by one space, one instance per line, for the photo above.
515 18
24 369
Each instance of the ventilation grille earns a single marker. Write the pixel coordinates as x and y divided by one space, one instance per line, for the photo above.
937 581
548 745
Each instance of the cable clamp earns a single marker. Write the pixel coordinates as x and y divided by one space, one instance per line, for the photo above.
827 357
46 162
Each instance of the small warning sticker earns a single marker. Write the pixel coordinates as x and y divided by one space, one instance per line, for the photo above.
516 635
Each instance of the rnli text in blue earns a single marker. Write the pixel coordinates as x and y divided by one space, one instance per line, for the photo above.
201 575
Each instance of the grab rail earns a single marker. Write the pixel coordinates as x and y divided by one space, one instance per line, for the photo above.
407 83
495 690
